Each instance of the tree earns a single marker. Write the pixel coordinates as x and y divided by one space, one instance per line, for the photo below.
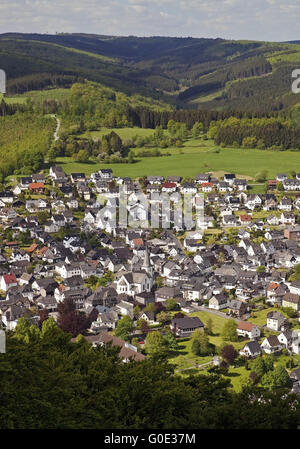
44 315
163 317
136 310
197 129
155 344
229 354
196 347
81 156
203 347
171 304
142 325
209 327
71 320
280 187
260 269
261 176
278 378
229 330
262 365
124 328
171 341
150 307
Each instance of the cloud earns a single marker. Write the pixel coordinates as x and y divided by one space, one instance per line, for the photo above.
274 20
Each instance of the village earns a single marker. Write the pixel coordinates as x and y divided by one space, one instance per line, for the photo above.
58 242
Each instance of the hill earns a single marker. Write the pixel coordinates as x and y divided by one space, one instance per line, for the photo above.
189 72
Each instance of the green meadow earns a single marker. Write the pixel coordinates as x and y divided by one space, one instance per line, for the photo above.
194 157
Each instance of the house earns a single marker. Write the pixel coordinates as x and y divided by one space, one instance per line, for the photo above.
207 187
106 174
149 317
295 378
11 316
76 177
164 293
291 300
245 219
287 218
240 185
246 329
8 281
176 179
237 308
189 187
127 352
281 177
169 187
251 349
229 178
7 196
292 232
271 344
295 287
230 220
223 187
218 302
286 338
57 173
276 321
36 187
202 178
155 179
25 182
184 327
253 201
285 204
125 308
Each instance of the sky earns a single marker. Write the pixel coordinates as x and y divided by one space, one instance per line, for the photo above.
271 20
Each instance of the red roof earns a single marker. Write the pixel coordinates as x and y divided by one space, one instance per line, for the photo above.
245 217
36 185
244 326
207 184
273 286
169 185
32 248
138 242
10 278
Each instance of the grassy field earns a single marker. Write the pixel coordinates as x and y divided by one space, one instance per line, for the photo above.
39 95
124 133
196 156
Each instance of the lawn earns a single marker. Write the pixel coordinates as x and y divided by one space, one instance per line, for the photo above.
260 316
194 157
217 326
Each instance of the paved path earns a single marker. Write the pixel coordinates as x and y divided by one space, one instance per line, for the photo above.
195 365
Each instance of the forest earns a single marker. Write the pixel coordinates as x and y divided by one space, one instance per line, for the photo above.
183 72
49 382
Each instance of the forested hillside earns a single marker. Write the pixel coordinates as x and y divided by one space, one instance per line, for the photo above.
187 72
24 140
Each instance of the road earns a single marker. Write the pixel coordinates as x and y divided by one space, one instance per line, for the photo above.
56 136
222 315
214 312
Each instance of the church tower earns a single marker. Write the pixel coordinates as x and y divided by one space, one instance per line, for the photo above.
147 264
